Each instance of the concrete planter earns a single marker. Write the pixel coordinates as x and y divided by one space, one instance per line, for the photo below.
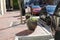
39 34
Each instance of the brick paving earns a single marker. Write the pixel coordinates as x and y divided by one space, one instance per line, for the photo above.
8 32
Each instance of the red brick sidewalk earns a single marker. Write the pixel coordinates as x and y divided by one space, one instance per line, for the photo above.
6 31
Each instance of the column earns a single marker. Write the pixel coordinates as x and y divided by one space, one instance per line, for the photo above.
3 7
11 4
0 7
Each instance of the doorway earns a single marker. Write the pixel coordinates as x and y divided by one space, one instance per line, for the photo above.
12 5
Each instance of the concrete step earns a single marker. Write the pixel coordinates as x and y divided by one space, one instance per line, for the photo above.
51 39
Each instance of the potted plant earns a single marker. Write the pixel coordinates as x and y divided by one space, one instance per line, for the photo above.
27 16
32 23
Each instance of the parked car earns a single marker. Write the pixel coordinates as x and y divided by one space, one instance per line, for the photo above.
36 9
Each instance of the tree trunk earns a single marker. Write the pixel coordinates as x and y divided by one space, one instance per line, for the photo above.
19 3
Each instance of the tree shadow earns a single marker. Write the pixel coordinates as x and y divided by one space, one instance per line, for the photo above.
17 16
24 33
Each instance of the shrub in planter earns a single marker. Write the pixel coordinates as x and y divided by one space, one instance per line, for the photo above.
27 16
32 23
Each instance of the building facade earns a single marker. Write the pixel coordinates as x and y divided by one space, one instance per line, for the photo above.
10 4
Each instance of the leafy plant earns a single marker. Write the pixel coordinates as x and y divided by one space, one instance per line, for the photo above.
28 14
33 19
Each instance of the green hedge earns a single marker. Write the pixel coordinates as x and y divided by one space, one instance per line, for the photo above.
15 4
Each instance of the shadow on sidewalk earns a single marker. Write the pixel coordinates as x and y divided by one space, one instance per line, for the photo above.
25 33
12 26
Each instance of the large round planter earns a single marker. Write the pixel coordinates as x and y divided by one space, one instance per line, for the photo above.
31 25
